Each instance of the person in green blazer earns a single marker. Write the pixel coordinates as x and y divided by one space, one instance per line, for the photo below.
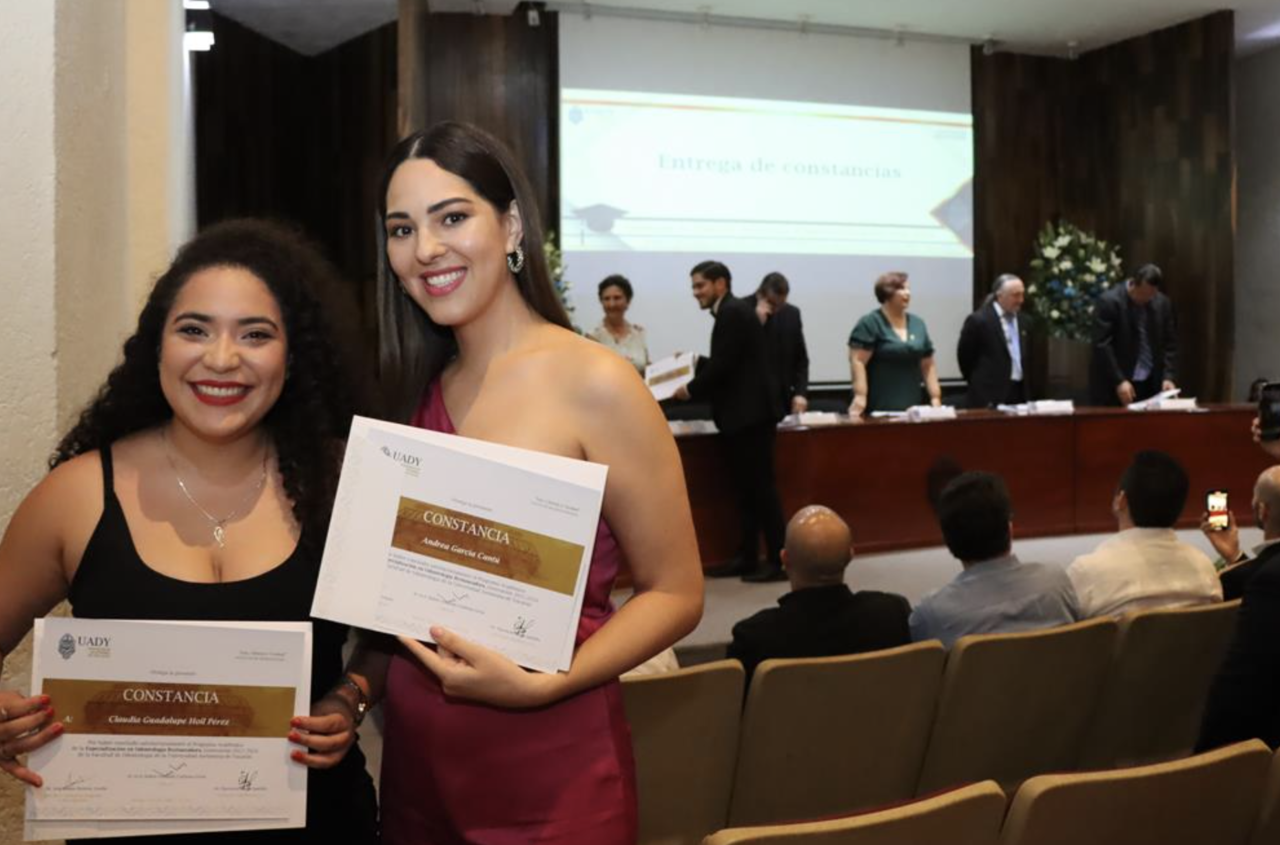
890 354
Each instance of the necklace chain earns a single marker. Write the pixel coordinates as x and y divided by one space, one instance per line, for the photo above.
219 525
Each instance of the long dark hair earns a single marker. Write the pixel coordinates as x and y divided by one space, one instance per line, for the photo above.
314 410
412 350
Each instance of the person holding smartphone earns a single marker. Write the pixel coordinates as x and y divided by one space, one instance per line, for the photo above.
1244 700
1241 564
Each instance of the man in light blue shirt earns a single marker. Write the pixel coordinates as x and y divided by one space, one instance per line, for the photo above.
996 593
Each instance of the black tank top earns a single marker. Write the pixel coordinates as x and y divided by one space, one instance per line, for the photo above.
113 582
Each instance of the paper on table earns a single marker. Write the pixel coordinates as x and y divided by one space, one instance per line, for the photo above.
929 413
664 377
1155 401
193 765
490 541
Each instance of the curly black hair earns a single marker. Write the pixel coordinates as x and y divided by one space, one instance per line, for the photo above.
321 392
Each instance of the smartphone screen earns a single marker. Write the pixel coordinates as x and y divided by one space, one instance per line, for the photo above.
1269 411
1215 502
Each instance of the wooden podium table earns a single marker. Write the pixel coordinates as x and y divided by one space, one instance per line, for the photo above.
1061 471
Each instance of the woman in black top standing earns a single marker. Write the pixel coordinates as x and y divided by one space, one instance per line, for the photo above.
197 485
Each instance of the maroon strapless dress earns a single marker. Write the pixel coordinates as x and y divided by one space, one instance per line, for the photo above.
455 771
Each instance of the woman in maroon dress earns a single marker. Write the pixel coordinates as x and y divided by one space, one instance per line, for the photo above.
475 341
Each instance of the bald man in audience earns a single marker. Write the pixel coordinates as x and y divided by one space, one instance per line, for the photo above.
821 616
1242 565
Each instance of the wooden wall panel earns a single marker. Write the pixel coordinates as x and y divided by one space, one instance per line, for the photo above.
1171 96
495 71
1017 118
298 138
1061 471
1134 141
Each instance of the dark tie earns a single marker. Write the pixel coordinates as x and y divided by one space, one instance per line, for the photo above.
1142 369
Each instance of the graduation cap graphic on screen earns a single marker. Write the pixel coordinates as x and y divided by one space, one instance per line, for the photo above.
600 217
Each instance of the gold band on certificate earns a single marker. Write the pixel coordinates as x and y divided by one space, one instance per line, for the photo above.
669 375
487 546
149 709
169 726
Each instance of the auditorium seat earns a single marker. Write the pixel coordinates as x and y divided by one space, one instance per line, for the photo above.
1267 831
967 816
829 735
1156 687
684 728
1016 705
1211 798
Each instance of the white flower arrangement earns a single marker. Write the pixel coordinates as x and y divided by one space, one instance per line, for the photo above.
1069 271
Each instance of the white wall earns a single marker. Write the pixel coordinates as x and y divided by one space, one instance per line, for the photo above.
28 340
1257 351
28 390
727 61
95 198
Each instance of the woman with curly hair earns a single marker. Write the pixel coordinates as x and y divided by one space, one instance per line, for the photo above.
197 485
474 341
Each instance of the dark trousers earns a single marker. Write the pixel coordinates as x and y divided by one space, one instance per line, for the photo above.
1147 389
750 456
1016 394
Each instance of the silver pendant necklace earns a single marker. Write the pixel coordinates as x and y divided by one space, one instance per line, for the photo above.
219 525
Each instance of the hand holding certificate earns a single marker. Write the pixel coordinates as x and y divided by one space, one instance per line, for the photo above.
435 530
670 374
169 727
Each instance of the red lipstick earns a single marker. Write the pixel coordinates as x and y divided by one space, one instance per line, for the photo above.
219 392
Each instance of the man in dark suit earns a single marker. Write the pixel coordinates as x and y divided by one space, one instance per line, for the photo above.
993 349
737 379
820 617
1244 700
1241 565
785 333
1134 341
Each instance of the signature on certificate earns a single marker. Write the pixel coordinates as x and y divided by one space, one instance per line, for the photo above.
173 769
73 780
521 626
246 780
453 599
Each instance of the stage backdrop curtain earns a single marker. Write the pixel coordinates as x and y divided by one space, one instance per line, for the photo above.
1134 142
499 72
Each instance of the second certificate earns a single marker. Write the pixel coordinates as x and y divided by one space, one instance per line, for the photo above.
490 541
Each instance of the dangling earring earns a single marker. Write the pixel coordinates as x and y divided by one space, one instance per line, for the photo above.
515 260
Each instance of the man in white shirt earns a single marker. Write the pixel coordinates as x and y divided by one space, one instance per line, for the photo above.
1145 565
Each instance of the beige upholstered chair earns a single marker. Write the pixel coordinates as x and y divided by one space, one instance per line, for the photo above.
1016 705
684 727
968 816
1267 831
829 735
1156 687
1210 798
